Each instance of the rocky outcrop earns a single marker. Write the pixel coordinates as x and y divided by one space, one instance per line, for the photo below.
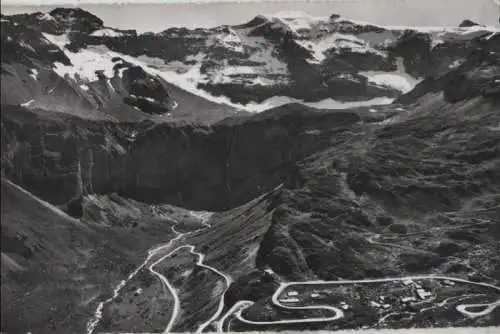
476 76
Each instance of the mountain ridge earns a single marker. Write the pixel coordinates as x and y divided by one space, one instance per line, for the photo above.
259 72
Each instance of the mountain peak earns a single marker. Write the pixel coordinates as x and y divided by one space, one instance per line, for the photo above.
76 18
255 22
468 23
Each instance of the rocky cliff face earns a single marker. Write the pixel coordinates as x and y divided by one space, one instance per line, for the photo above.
235 160
300 193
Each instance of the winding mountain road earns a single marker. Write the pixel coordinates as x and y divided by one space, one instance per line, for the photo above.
167 284
201 258
96 318
228 281
205 216
237 307
240 306
488 308
338 313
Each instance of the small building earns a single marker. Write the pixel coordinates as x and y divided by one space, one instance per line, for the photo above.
407 282
422 294
448 282
408 299
270 271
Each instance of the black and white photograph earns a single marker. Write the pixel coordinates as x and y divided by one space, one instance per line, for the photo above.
252 166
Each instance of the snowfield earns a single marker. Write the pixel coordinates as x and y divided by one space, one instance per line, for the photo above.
85 64
338 41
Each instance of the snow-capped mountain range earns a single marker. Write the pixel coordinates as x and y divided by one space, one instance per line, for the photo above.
67 60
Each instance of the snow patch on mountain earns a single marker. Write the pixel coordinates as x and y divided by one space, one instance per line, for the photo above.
27 103
329 103
246 75
258 65
399 81
333 104
26 46
34 73
106 32
85 62
337 42
230 41
456 63
295 21
227 72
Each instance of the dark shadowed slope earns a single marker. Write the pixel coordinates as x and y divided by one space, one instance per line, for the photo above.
47 254
55 269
